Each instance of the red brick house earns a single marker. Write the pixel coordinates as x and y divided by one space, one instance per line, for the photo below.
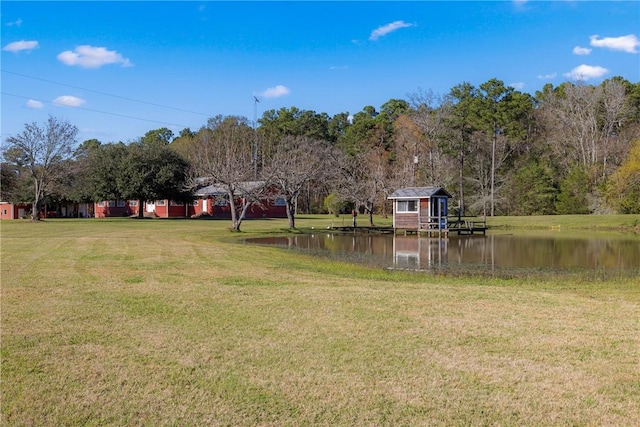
115 208
14 211
64 210
210 200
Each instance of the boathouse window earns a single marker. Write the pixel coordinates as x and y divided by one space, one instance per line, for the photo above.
407 206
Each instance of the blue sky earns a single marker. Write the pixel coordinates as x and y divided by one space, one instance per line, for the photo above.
119 69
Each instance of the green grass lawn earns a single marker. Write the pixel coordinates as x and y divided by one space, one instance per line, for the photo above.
169 322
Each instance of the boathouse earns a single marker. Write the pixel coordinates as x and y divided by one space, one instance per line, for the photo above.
420 209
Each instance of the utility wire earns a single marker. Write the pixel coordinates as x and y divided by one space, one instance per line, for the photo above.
106 94
96 111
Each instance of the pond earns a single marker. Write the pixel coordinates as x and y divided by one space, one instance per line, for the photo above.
502 254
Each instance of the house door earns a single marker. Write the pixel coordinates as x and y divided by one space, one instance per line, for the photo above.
439 211
204 205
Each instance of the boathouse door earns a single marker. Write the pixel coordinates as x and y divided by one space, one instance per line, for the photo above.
439 211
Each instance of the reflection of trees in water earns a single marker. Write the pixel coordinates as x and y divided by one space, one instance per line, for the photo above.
491 253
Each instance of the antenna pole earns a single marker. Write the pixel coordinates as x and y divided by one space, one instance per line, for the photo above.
254 156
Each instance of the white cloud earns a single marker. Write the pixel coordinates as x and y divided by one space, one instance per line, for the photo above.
92 57
68 101
389 28
339 67
517 85
578 50
21 45
17 23
586 72
32 103
275 92
628 43
549 76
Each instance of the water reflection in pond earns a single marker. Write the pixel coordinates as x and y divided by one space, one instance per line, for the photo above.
492 253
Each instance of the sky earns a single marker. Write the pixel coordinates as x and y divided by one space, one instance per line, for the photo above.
118 69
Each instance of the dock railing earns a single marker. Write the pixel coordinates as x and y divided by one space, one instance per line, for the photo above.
467 225
454 224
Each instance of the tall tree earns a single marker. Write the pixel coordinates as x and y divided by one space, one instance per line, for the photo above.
581 125
461 123
78 188
532 190
153 172
162 136
296 162
503 115
337 127
623 189
363 179
430 162
222 154
107 178
139 172
43 151
10 179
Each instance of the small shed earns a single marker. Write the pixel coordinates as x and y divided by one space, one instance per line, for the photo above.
420 208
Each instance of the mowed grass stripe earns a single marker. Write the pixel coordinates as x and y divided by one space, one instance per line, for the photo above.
128 322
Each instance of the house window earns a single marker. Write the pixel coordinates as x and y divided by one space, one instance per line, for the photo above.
407 206
160 202
121 204
133 203
101 204
172 203
222 202
280 201
112 203
4 212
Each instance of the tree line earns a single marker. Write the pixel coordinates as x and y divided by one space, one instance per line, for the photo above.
573 148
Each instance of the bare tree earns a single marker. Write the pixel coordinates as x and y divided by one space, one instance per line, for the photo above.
295 162
44 152
582 123
363 179
222 154
430 113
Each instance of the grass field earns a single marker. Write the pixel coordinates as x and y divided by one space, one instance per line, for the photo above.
169 322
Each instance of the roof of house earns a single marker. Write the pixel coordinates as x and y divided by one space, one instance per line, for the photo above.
418 193
217 190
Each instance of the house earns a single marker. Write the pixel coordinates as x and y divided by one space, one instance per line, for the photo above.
420 208
115 208
210 200
14 210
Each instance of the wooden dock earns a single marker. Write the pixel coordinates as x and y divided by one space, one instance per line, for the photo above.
460 227
431 232
364 229
468 227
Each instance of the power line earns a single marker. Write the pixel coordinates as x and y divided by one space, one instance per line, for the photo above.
98 111
106 94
